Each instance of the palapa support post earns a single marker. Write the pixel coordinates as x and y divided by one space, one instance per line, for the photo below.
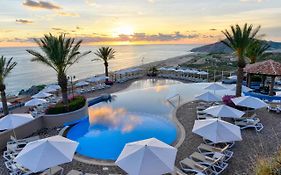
271 93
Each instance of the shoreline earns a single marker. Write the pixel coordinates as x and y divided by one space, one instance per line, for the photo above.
173 61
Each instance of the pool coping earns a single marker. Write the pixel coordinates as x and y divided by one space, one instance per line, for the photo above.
177 143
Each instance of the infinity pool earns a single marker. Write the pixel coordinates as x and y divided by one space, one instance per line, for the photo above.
142 111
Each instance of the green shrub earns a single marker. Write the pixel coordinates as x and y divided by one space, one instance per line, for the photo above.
74 104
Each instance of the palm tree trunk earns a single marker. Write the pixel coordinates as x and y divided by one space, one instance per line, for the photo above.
106 69
239 81
4 100
62 80
272 86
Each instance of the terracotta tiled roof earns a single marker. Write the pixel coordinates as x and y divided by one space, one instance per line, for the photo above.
268 67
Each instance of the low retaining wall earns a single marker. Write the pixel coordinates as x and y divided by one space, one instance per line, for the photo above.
52 121
46 121
22 131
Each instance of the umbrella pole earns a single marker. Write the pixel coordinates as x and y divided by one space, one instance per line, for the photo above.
14 134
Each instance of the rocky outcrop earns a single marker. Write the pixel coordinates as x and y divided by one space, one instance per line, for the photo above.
32 90
219 47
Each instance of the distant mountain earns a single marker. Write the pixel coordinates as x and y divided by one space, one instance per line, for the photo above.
219 47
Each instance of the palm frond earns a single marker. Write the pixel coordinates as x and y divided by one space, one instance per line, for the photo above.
6 67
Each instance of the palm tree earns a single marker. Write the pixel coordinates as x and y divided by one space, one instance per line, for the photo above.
239 40
105 54
256 49
60 53
6 66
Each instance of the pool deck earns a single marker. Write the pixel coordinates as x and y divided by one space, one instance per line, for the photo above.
254 144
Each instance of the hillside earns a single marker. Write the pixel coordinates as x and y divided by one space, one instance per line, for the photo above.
219 47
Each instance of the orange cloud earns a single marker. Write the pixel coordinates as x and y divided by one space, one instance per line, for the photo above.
113 118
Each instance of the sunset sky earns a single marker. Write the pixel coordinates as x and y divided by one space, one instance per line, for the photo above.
134 21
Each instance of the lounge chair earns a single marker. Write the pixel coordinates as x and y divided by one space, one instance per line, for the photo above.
57 170
204 116
16 147
26 140
273 107
211 150
250 123
74 172
7 155
15 169
216 163
229 144
190 166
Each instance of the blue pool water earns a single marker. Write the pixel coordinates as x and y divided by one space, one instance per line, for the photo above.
101 141
139 112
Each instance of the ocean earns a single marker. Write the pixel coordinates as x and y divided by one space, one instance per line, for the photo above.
28 73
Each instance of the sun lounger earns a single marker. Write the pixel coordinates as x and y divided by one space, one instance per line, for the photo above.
16 147
229 144
15 169
250 123
53 171
25 140
204 116
74 172
211 150
7 155
190 166
216 163
274 107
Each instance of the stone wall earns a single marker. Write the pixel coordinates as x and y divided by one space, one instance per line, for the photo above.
46 121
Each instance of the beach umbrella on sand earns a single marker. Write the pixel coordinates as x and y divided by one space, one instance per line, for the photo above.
215 87
145 157
46 153
249 102
217 131
35 102
208 97
42 95
81 83
244 89
11 121
224 111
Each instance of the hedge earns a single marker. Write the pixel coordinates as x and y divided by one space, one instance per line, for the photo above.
74 104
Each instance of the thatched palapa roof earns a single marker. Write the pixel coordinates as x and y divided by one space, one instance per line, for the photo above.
268 67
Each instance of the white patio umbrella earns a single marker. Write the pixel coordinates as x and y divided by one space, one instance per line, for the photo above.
215 87
145 157
48 90
11 121
217 131
35 102
1 104
208 96
42 95
244 88
233 77
46 153
81 83
53 86
224 111
249 102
